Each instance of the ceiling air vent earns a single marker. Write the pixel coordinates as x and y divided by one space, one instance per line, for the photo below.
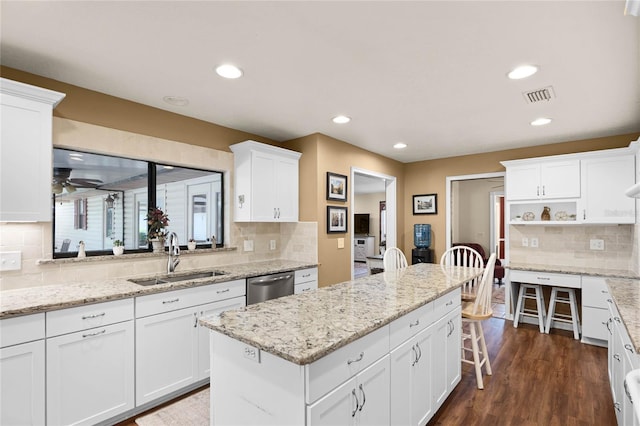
539 95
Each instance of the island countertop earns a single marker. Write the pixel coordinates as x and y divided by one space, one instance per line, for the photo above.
568 269
306 327
626 296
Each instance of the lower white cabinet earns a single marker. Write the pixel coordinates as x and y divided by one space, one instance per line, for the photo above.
362 400
305 280
595 310
22 392
90 375
446 369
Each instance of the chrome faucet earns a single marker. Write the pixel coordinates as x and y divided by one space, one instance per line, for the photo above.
174 252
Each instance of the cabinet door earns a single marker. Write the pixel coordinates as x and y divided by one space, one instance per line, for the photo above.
90 375
605 181
560 179
454 342
594 323
411 402
208 310
263 192
338 407
439 355
373 393
286 190
22 388
166 353
523 182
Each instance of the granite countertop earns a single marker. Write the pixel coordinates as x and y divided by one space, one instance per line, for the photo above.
626 296
47 298
580 270
306 327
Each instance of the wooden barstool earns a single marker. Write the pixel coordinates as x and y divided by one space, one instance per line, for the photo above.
569 299
521 309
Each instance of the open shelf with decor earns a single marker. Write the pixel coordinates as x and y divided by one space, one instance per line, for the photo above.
561 212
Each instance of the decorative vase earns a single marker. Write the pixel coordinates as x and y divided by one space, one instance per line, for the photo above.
191 245
81 252
118 250
546 213
158 245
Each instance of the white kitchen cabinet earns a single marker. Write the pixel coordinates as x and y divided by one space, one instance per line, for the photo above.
26 133
595 310
446 366
266 183
543 180
362 400
604 181
172 349
22 369
305 280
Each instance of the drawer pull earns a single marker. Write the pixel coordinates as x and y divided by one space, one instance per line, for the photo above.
177 299
449 303
355 410
84 317
306 275
97 333
351 361
415 355
413 324
306 289
628 347
616 357
226 290
544 278
364 397
604 291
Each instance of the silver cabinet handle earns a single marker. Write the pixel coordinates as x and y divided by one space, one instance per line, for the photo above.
364 397
617 319
449 303
616 357
626 391
226 290
351 361
584 214
543 192
419 352
414 324
604 291
177 299
306 275
543 278
97 333
195 319
355 410
101 314
538 190
415 355
628 347
617 407
306 289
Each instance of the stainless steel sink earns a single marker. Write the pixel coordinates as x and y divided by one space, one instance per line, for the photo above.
164 279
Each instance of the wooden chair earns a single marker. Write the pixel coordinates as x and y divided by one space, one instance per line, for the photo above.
473 313
464 256
394 259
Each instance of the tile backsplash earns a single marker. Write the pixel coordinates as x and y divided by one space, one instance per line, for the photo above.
569 245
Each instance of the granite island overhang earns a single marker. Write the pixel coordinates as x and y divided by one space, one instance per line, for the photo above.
272 362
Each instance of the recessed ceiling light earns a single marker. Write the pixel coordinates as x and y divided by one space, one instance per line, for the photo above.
540 121
341 119
167 167
229 71
176 100
75 154
523 71
400 145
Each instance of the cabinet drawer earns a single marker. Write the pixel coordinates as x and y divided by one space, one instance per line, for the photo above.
221 291
446 303
304 275
329 372
88 316
594 322
21 329
409 325
595 292
546 278
305 287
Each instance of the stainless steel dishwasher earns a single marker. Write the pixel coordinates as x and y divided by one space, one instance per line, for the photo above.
268 287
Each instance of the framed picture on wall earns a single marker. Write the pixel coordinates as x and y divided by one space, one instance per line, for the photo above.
425 204
336 220
336 187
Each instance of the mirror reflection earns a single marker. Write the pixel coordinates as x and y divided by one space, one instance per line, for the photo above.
101 200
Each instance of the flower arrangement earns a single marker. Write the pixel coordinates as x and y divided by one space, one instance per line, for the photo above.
117 243
157 220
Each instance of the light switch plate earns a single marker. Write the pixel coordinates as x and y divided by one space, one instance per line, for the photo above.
596 244
272 244
10 261
534 242
248 245
525 242
340 243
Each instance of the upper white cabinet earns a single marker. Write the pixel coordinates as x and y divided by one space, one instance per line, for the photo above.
604 181
266 183
25 151
548 180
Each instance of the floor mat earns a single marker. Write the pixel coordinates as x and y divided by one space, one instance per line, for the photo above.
192 410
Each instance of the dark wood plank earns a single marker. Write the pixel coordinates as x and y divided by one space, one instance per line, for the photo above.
538 379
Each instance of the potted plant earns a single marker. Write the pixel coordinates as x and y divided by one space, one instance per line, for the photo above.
118 248
157 221
191 244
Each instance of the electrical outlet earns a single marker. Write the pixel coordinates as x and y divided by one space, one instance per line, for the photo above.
10 261
596 244
534 242
251 353
272 244
248 245
525 242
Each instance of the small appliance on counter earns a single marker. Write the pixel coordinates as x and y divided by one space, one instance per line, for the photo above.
422 240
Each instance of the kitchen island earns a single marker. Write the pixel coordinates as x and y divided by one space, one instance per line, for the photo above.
378 350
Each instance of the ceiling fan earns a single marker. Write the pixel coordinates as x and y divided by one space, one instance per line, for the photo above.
62 181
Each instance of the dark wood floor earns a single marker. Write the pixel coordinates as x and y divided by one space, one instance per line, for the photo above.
538 379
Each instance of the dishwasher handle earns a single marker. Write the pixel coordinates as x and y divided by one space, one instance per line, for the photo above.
270 280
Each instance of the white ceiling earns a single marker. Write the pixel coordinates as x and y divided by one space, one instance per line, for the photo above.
430 74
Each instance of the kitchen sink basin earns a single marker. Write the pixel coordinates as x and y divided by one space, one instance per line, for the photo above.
176 278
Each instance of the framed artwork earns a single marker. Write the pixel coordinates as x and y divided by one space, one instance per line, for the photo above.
425 204
336 187
336 220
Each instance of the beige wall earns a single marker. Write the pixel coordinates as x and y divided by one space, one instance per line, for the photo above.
427 177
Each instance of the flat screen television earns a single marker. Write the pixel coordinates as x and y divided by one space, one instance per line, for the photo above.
361 223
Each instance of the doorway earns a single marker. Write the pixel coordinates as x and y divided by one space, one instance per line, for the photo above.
372 217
